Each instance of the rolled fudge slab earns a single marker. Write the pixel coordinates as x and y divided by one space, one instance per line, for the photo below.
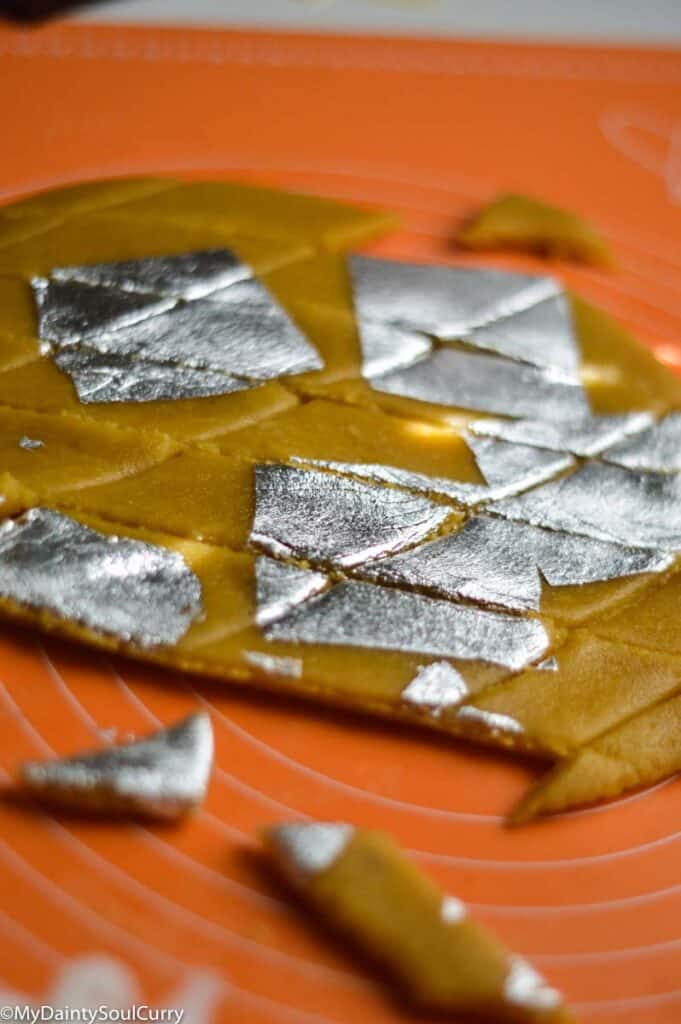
441 495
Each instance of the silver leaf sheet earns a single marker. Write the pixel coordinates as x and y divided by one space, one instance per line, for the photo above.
69 311
162 776
509 469
105 377
190 275
247 337
30 444
491 721
126 588
310 847
453 910
482 383
548 664
526 988
516 315
496 561
329 519
435 688
279 587
608 503
272 665
364 615
586 437
656 450
386 347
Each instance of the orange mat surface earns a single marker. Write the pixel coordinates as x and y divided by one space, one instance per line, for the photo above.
102 914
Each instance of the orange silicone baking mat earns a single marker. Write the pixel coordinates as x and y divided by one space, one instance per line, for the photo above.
184 917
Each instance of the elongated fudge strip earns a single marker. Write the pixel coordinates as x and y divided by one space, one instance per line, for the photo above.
363 885
640 752
527 224
163 776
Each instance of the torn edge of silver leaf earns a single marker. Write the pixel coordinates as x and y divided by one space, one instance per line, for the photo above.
309 848
162 776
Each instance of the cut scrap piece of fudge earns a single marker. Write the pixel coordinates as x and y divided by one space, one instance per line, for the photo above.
361 884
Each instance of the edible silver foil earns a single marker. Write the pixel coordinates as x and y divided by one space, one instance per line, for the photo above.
272 665
325 518
498 562
30 444
190 275
453 910
386 347
516 315
491 721
247 337
435 688
656 450
607 503
280 587
310 847
104 377
470 380
163 776
548 664
126 588
364 615
526 988
588 436
508 469
69 311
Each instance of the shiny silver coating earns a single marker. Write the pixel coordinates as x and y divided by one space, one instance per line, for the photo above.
246 337
516 315
435 688
525 988
364 615
308 848
273 665
482 383
69 311
587 437
608 503
329 519
135 591
163 776
190 275
498 562
279 587
656 450
104 377
508 469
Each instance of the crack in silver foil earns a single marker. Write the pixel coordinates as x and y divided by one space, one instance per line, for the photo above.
69 311
329 519
130 589
30 444
482 383
526 988
308 848
519 316
104 377
656 450
246 337
586 437
435 688
273 665
279 587
191 275
498 562
608 503
508 469
364 615
162 776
